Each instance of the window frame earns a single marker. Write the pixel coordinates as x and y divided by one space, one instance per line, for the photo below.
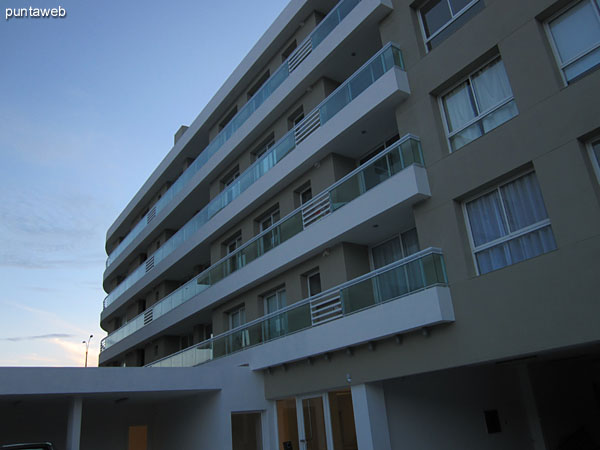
481 115
274 215
308 276
388 239
277 293
230 178
561 65
263 147
595 160
453 19
508 237
236 311
301 191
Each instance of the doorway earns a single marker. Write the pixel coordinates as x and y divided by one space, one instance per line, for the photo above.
317 422
138 437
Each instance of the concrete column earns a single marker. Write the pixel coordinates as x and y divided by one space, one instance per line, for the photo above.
74 423
370 417
533 418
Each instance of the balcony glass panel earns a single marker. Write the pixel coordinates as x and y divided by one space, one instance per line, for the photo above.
279 76
385 284
331 21
360 81
342 192
259 168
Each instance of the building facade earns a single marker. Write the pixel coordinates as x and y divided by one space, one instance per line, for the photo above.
382 232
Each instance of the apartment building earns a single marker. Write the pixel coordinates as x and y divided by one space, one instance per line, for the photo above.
382 232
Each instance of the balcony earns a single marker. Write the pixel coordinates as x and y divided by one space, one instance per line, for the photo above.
408 294
312 41
406 152
382 62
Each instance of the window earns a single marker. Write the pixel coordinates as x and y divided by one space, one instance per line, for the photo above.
377 150
246 431
230 246
295 118
313 281
595 156
237 318
230 115
392 250
304 194
273 302
395 248
288 51
575 38
271 239
233 243
262 148
441 18
269 219
509 224
228 180
230 177
254 89
478 105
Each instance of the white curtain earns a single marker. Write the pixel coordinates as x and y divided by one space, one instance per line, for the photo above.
524 206
387 253
460 110
486 219
491 88
523 202
410 242
459 107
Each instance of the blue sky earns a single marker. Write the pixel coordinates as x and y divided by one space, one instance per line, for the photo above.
88 108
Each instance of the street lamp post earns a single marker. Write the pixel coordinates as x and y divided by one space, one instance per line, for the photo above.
87 346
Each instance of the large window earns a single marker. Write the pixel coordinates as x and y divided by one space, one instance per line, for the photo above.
509 224
440 18
478 104
595 156
273 302
575 37
239 340
396 248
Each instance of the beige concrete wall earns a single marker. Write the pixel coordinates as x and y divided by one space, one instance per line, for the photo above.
538 305
330 169
336 266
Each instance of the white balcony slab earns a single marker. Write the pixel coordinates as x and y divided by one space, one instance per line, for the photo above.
425 308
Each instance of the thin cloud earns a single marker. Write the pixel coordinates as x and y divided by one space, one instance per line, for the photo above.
39 337
49 317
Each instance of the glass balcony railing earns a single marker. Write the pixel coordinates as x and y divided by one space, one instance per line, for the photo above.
335 16
420 271
405 152
384 60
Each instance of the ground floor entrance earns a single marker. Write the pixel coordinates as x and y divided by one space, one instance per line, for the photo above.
322 421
